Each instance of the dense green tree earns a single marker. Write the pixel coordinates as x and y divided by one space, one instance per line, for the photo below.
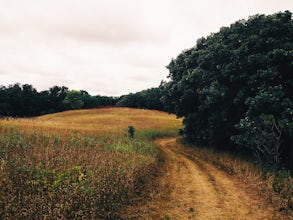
132 100
18 100
152 99
55 98
105 101
24 101
146 99
237 84
74 100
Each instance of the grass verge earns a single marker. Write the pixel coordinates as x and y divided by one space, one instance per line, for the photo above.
270 181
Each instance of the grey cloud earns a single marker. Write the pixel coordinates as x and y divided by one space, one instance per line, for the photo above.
94 21
108 47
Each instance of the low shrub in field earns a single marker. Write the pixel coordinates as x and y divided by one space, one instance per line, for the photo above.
69 175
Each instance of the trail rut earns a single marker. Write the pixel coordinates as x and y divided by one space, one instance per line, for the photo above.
191 188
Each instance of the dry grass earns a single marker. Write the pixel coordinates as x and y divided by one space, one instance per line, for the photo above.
111 120
103 121
77 164
272 184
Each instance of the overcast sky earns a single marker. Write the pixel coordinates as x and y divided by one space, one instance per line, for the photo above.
108 47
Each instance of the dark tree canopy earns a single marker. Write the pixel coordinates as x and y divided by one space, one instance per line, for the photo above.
19 100
235 87
24 100
146 99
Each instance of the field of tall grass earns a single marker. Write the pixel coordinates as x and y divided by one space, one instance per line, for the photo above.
77 164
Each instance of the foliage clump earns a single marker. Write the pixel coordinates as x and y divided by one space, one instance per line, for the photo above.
25 101
235 87
146 99
131 131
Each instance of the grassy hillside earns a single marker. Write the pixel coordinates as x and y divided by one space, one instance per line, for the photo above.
101 121
77 164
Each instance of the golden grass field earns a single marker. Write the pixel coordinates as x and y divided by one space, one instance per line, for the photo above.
77 164
101 121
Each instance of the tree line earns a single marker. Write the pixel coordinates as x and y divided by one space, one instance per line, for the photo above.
25 101
234 88
146 99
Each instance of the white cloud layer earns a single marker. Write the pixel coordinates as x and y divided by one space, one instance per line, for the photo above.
108 47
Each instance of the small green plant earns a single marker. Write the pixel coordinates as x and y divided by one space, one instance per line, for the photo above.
131 131
280 179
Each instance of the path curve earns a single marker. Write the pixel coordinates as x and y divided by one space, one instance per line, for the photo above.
191 188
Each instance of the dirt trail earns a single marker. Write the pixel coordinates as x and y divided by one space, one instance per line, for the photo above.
191 188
